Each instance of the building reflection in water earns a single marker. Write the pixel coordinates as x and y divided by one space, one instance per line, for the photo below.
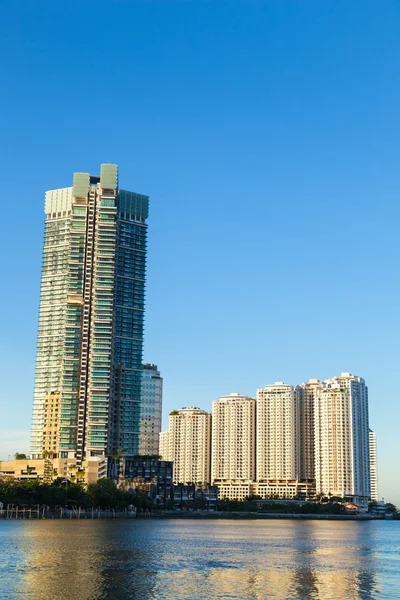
282 560
340 565
83 560
182 559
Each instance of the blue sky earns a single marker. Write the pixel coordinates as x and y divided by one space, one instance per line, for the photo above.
267 135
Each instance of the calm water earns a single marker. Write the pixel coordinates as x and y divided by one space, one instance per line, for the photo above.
82 560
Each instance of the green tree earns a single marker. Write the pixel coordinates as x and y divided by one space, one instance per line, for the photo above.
390 508
104 493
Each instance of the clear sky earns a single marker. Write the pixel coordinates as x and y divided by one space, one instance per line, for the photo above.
267 135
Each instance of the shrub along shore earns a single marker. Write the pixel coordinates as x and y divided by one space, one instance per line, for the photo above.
103 495
102 499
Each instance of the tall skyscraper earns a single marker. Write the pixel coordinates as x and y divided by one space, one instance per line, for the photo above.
89 356
233 438
150 410
276 433
190 445
341 436
373 466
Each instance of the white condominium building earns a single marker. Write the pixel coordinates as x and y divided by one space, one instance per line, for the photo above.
190 445
341 439
233 439
275 435
305 395
373 466
164 445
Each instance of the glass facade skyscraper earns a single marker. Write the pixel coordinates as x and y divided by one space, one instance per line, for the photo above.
151 407
90 338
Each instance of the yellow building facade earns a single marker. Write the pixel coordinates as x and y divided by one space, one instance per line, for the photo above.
48 469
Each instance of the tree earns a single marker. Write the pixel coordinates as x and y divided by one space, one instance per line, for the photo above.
138 499
104 493
390 508
19 456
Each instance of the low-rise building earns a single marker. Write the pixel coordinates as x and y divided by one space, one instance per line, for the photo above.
95 468
149 475
30 469
195 497
49 469
377 508
235 489
285 488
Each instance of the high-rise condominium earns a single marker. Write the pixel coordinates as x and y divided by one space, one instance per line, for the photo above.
373 466
233 438
189 444
276 433
305 395
341 439
164 445
89 357
150 414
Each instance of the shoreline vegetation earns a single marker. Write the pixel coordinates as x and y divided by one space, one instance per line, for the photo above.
61 499
63 494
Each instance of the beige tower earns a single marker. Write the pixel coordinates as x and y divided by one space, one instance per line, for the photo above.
233 445
276 441
164 445
342 462
190 445
305 395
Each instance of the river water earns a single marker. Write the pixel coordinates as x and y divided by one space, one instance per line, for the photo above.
187 559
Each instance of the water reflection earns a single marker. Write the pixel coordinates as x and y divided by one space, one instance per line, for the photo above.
182 559
80 560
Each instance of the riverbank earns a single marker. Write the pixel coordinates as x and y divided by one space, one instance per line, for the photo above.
255 516
190 515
